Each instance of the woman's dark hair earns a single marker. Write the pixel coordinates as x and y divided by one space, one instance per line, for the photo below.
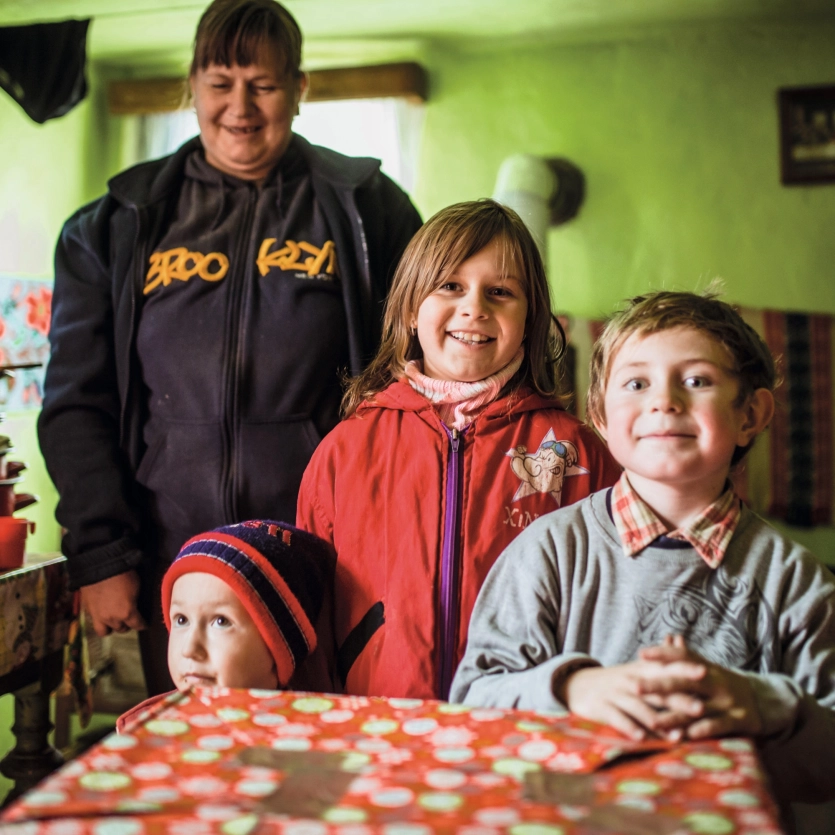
236 32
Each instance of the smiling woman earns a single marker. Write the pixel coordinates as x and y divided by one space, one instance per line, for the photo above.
246 84
196 395
245 114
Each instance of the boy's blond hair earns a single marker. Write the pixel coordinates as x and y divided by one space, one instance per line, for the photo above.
439 247
751 361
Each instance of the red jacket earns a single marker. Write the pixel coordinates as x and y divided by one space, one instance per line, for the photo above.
417 526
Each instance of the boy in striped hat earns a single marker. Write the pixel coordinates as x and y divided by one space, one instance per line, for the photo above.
241 603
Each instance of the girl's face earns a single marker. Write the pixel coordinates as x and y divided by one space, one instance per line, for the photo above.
473 324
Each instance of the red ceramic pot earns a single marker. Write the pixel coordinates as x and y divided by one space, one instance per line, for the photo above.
13 534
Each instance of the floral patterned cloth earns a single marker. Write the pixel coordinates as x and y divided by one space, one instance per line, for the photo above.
239 762
36 609
25 310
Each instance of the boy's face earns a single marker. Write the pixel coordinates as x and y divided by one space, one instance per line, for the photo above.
671 418
214 640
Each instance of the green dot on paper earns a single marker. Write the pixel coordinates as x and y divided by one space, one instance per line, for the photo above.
137 807
709 762
312 704
735 744
440 801
638 787
737 798
515 768
345 814
104 781
452 709
354 761
536 829
232 714
195 755
529 727
119 742
379 726
405 704
240 826
708 823
166 727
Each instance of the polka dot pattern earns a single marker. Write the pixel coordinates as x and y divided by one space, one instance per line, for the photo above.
415 768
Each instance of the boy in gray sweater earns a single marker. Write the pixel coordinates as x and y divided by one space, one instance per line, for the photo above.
664 606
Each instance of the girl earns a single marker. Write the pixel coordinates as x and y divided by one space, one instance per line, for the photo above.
455 440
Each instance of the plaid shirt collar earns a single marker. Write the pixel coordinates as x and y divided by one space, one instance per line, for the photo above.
710 532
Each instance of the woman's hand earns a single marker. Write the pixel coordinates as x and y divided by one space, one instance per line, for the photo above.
111 604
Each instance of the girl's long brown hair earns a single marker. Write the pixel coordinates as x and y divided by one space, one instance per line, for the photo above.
444 242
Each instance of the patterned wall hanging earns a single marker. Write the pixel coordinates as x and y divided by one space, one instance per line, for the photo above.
25 308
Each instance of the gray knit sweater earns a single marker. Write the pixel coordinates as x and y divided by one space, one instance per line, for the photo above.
564 590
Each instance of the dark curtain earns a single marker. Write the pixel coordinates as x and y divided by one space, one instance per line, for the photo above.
42 66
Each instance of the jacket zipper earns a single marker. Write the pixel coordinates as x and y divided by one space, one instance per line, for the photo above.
450 559
141 259
232 364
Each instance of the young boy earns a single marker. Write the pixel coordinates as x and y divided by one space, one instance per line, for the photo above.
663 605
241 604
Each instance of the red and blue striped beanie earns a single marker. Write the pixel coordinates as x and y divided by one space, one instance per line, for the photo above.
276 571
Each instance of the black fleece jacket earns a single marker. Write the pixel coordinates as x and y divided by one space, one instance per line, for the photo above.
91 425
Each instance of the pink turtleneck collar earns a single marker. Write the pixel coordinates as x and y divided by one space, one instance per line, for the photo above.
458 404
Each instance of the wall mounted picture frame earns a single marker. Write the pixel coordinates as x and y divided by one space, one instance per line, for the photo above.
807 134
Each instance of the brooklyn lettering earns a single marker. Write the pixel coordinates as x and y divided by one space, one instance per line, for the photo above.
181 264
289 257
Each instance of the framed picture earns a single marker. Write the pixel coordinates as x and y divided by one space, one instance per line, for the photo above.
807 134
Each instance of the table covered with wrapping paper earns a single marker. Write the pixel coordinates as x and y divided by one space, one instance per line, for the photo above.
239 762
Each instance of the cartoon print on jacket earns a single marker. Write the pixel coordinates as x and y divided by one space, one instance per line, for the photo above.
726 619
545 470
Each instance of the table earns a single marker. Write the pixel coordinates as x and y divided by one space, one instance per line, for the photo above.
36 609
236 762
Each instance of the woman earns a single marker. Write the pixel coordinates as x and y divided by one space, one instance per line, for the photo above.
204 310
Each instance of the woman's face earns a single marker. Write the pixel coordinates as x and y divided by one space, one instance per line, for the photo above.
246 113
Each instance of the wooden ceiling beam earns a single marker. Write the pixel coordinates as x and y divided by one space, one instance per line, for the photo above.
160 95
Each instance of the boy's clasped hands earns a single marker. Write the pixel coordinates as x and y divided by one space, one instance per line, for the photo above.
670 692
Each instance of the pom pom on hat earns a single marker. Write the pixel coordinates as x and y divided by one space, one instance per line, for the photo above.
276 571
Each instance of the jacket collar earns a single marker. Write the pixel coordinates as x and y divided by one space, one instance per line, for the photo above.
149 182
401 396
337 169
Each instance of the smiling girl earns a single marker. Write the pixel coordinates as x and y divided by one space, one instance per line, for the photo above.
455 440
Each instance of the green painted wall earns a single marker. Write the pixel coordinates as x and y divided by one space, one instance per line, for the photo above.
674 127
676 131
46 172
40 184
